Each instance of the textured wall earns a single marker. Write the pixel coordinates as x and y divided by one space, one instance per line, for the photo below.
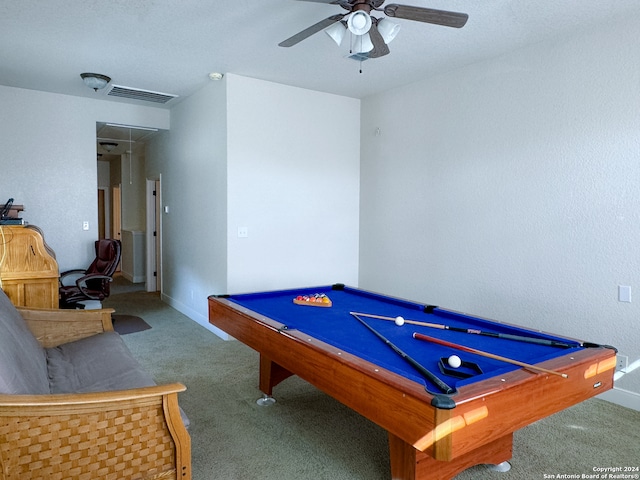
293 181
510 189
48 163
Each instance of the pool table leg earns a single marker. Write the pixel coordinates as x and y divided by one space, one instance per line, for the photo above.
407 463
271 374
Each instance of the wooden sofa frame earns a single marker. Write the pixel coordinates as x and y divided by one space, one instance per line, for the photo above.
135 434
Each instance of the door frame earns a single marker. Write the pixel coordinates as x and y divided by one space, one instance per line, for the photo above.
153 235
116 217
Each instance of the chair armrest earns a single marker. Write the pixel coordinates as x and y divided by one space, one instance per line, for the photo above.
137 433
63 275
53 327
76 271
81 283
93 276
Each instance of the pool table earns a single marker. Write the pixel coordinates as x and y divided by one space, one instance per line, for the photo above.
375 367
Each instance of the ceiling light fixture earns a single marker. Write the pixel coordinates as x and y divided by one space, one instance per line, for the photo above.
359 25
108 146
362 44
359 22
336 32
95 80
388 29
216 76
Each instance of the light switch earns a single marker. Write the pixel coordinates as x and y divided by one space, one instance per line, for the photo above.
243 232
85 225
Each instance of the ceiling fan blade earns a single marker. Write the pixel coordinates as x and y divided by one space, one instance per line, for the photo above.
307 32
427 15
380 48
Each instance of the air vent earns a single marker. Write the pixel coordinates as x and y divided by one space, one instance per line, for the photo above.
137 94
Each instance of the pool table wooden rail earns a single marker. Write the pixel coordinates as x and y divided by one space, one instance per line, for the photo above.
423 440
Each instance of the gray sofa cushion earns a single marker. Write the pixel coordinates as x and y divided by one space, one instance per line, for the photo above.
94 364
23 364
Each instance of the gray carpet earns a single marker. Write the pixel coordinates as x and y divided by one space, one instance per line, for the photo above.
308 435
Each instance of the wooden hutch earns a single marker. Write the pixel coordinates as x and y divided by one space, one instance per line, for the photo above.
28 267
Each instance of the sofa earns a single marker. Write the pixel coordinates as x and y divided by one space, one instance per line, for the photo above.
75 404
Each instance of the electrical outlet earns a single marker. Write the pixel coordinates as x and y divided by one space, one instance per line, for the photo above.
622 362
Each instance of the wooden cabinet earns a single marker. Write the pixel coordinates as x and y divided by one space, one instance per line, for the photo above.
28 267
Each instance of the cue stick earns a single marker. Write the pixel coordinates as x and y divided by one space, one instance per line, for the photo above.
505 336
426 338
430 376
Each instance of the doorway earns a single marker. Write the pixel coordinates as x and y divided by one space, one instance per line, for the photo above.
121 170
101 215
104 213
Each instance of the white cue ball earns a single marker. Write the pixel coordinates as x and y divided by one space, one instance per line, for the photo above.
454 361
399 321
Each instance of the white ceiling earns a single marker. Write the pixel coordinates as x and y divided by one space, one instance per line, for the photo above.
171 46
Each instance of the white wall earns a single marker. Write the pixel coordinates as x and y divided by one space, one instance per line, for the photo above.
274 159
510 189
49 162
293 182
190 161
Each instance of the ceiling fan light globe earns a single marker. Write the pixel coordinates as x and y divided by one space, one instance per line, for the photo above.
336 32
363 44
388 29
359 22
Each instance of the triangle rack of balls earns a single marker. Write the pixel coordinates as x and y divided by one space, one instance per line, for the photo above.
316 300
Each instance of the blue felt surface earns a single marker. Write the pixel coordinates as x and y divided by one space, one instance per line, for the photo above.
336 326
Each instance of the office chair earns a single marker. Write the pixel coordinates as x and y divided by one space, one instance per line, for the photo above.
92 283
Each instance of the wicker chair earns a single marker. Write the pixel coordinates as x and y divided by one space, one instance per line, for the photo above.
135 434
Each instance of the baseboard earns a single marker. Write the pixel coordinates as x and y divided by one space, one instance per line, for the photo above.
621 397
134 278
200 319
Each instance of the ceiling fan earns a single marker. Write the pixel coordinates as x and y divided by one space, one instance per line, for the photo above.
374 33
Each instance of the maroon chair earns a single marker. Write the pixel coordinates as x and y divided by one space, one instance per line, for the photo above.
92 283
